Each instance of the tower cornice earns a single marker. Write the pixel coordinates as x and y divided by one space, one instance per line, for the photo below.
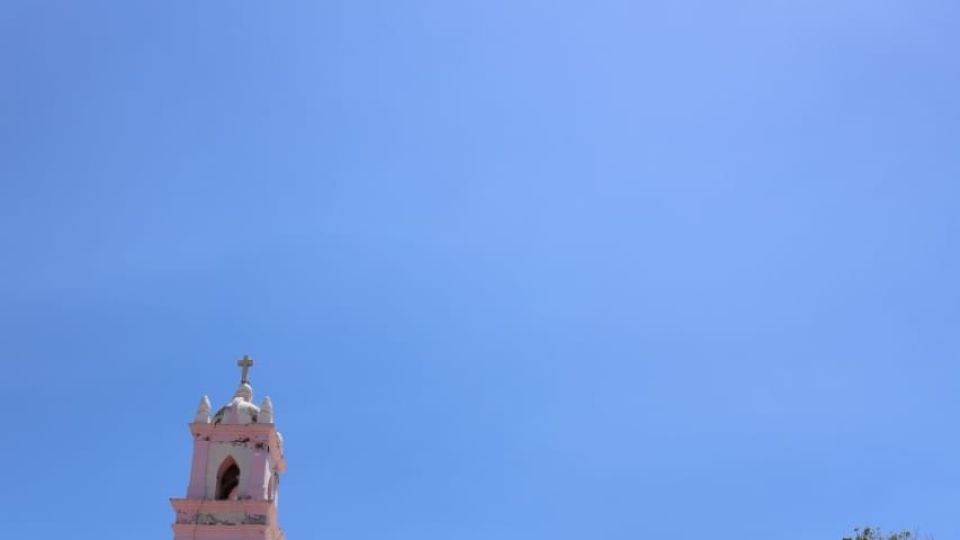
225 518
265 433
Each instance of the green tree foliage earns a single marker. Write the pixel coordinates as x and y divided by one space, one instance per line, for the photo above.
873 533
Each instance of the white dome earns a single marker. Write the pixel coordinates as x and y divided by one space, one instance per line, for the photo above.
240 410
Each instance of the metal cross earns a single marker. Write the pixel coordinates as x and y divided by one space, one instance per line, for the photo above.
244 364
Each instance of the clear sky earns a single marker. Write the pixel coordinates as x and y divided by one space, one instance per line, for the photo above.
510 270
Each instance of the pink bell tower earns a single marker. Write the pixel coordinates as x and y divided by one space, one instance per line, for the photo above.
237 463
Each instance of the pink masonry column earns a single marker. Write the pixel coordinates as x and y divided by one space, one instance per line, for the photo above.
256 476
197 489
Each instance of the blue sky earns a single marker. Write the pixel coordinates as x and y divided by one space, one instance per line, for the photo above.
510 270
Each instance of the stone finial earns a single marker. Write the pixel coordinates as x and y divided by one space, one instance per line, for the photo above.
266 411
203 411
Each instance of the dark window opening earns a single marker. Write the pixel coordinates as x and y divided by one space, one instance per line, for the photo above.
228 479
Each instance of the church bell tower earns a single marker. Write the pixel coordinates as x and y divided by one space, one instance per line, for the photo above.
235 472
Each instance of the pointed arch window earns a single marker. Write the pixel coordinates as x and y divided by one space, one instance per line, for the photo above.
228 479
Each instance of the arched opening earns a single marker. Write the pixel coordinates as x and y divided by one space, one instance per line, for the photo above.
228 478
274 482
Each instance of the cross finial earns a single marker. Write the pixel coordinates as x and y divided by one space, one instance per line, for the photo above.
244 364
